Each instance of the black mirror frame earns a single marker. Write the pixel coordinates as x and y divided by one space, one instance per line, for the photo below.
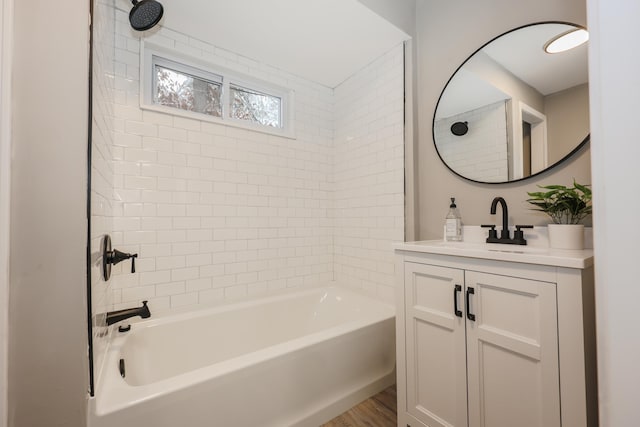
584 142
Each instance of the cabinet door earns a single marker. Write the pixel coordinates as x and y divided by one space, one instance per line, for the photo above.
435 346
512 352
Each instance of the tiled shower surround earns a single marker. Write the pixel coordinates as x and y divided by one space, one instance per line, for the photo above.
368 175
216 211
482 153
102 145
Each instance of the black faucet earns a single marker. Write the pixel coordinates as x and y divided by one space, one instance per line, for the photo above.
505 236
119 315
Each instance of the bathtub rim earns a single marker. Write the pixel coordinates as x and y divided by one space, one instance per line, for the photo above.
121 395
229 304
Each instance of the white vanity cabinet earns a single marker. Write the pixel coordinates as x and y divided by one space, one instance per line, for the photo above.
486 341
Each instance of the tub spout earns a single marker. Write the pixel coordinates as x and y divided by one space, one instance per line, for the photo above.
119 315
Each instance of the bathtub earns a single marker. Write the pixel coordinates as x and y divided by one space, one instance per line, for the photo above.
295 359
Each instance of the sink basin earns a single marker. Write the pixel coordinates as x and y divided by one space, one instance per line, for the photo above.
494 247
520 251
516 249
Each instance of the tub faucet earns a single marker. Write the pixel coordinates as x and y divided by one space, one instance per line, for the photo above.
118 315
504 235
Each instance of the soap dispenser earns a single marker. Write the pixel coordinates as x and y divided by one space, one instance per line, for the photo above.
453 224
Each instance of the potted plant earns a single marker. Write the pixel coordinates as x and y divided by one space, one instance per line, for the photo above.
567 207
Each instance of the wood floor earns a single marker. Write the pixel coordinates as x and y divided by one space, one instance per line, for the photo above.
378 411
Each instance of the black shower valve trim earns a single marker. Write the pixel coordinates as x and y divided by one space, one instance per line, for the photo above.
116 256
112 257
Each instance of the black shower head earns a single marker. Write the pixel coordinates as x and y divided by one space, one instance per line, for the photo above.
145 14
459 128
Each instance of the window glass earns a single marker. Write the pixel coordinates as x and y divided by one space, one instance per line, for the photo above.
253 106
199 90
187 92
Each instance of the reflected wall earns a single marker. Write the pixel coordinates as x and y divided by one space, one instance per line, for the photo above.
447 33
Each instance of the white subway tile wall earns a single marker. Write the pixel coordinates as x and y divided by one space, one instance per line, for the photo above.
481 154
102 167
369 175
217 212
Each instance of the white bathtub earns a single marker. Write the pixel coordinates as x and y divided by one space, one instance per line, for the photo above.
296 359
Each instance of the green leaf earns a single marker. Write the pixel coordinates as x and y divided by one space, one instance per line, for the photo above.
565 205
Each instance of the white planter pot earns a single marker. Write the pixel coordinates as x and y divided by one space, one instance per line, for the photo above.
566 236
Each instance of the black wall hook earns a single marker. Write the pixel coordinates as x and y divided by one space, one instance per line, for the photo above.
112 257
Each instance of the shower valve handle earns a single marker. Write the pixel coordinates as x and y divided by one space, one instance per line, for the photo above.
112 257
115 256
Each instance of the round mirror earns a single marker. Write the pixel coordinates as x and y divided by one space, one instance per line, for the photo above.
512 110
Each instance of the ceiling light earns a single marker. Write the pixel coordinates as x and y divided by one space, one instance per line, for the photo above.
566 41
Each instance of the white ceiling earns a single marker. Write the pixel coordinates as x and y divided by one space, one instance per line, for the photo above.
323 41
467 92
522 53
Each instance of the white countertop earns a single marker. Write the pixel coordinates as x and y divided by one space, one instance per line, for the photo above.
501 252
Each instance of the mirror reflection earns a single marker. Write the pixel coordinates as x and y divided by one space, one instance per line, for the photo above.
512 110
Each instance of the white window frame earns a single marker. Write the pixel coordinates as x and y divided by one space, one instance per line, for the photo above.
153 54
182 69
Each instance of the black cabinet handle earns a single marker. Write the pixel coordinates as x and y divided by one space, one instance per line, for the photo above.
470 315
456 289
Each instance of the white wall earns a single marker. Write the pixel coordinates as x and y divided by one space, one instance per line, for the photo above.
490 71
615 94
447 33
215 211
567 114
403 15
47 306
6 37
399 13
368 175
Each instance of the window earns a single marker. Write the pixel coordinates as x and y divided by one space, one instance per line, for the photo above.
187 92
202 91
247 104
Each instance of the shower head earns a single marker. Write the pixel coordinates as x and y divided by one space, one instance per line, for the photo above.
145 14
459 128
